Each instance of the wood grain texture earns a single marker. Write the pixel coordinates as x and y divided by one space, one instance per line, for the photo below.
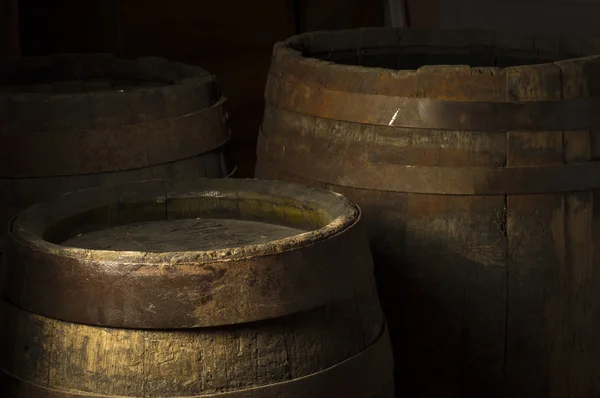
17 194
76 121
562 227
536 243
487 292
271 279
262 293
82 359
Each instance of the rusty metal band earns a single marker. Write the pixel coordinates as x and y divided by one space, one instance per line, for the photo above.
430 180
118 289
104 150
425 113
360 376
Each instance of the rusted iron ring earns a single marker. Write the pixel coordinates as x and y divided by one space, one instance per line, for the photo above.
430 179
113 149
423 113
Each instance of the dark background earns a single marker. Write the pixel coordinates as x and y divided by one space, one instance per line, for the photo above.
232 39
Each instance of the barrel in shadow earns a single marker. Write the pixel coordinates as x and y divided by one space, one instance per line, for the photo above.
76 121
474 156
216 288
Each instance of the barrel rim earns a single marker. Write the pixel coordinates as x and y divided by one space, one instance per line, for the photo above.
181 89
25 223
185 75
291 49
182 290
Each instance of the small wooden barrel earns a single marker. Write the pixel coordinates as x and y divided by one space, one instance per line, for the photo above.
475 158
76 121
214 288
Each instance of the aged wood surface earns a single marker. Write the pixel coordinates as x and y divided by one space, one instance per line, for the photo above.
114 148
242 300
60 359
76 121
286 275
182 235
485 251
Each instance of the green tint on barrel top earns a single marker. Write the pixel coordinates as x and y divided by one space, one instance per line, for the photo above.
182 235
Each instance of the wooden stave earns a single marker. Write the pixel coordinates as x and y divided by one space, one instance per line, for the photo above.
383 218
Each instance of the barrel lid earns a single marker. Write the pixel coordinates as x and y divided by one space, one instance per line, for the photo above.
324 261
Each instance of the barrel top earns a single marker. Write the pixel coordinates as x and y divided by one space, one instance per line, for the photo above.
334 49
58 73
182 235
307 240
314 214
74 93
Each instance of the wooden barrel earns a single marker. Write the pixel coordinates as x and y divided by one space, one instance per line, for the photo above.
475 158
76 121
214 288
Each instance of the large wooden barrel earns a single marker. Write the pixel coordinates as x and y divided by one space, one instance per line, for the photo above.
475 158
76 121
215 288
